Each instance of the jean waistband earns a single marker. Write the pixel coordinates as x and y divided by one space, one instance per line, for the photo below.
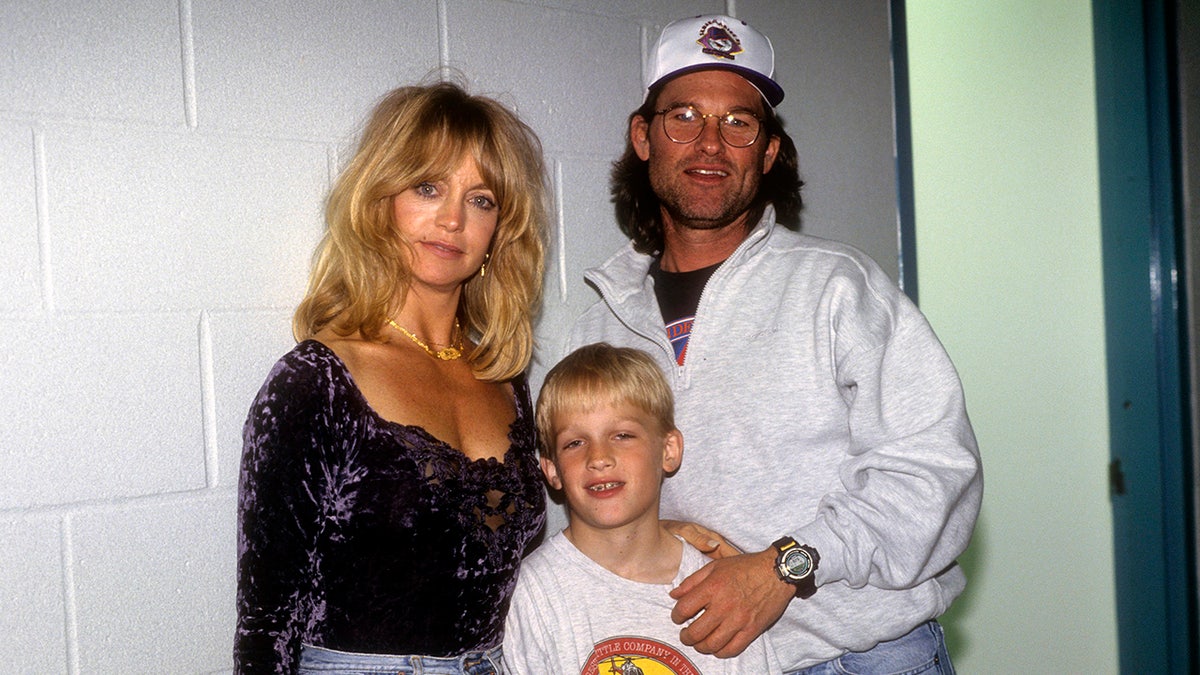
333 662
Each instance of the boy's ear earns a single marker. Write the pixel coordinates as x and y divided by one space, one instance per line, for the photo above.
672 450
551 473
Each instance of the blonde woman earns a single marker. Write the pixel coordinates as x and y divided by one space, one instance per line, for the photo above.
389 481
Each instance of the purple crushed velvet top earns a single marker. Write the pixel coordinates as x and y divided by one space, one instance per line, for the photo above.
363 535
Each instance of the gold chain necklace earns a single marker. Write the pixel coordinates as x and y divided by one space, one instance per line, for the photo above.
448 353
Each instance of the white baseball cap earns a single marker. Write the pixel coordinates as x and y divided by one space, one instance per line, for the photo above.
715 41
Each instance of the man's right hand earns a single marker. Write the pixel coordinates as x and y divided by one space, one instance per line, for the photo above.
736 598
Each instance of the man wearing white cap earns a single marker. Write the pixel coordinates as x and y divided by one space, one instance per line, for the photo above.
827 432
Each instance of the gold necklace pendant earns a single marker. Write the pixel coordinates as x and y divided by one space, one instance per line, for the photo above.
448 353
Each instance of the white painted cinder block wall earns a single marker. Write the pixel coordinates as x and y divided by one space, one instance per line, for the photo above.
162 170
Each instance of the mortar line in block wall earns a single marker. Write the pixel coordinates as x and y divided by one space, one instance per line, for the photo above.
122 503
208 398
443 36
333 160
560 231
70 610
42 201
187 52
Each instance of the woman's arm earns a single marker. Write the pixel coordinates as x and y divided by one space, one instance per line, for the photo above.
278 515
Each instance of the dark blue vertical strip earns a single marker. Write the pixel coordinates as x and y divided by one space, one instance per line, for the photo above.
1170 323
1138 210
904 155
1129 328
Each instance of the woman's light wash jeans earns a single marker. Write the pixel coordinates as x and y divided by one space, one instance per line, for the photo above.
921 651
317 660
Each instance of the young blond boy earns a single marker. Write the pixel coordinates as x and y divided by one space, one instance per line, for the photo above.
594 598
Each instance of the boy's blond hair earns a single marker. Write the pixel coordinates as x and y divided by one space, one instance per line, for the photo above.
601 374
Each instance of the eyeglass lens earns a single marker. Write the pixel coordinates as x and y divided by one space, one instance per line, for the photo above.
684 124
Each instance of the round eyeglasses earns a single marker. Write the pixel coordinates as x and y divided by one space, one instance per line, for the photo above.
683 124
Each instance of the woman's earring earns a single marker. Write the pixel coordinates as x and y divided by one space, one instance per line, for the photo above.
483 268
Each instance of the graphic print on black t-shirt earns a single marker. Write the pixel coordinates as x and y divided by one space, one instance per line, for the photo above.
678 296
679 332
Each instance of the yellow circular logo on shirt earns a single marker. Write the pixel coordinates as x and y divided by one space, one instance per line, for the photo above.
627 655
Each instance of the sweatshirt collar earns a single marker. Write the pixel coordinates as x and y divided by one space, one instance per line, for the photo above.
627 271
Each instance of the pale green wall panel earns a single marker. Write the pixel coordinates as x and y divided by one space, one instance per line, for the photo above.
1009 264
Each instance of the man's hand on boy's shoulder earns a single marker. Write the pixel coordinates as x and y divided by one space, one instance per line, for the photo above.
740 597
710 543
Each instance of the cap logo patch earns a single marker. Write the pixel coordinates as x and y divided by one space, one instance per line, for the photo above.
716 39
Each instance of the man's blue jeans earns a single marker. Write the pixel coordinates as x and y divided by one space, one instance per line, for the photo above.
921 651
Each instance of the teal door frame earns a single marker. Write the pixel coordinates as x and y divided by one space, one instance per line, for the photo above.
1141 215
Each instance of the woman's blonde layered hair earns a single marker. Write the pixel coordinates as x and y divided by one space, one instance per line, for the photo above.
419 134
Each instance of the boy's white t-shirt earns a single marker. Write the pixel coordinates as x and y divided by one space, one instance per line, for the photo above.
570 615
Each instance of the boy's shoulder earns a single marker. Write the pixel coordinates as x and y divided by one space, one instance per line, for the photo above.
551 554
557 551
691 560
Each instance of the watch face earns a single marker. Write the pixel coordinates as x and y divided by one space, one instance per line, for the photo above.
798 563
